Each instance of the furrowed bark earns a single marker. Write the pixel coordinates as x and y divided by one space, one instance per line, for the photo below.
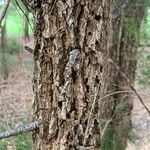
74 40
68 63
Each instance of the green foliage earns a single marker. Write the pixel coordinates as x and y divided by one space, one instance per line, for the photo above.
132 30
107 140
22 141
3 143
147 2
143 74
14 24
13 46
5 65
115 134
14 20
145 28
8 56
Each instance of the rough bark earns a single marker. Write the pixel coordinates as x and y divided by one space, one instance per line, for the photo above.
123 50
73 44
71 37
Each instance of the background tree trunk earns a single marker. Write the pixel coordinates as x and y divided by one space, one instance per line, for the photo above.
118 107
26 25
4 60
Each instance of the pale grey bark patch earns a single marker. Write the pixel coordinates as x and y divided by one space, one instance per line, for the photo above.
19 130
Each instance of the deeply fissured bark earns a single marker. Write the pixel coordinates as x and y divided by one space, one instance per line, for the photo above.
68 64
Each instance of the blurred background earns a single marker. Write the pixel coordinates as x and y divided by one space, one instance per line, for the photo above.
16 72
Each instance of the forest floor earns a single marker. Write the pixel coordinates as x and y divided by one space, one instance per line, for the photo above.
16 92
16 102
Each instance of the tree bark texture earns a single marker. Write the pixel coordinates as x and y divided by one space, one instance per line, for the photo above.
71 37
74 40
118 108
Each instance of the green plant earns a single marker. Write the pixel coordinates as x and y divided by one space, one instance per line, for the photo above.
145 28
13 46
3 143
14 24
22 141
143 74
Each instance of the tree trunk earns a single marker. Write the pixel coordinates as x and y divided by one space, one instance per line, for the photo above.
4 60
117 108
26 25
72 75
68 63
